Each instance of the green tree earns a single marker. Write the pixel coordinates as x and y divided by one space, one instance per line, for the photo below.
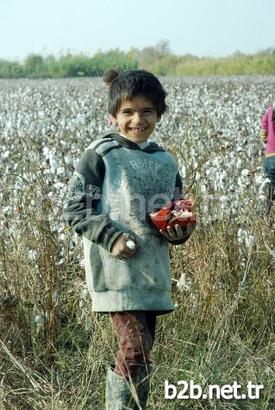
33 63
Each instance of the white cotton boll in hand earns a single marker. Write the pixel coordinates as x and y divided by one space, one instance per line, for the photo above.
131 244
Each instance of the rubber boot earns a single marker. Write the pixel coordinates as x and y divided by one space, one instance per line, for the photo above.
127 394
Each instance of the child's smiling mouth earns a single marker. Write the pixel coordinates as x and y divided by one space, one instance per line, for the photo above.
137 129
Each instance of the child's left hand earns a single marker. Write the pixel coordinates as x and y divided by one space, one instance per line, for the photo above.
178 232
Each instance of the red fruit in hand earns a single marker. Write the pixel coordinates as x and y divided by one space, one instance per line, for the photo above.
161 218
182 213
183 204
182 218
177 213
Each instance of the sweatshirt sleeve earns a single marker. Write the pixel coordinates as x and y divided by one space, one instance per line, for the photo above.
82 205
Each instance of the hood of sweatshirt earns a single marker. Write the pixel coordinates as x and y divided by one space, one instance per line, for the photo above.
124 142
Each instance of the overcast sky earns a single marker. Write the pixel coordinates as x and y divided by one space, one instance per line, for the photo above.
199 27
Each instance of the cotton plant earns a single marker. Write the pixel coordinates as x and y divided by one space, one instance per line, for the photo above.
246 241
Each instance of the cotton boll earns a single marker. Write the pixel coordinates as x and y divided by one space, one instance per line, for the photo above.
262 198
245 172
183 284
53 163
5 154
39 320
183 171
60 171
224 199
245 238
203 189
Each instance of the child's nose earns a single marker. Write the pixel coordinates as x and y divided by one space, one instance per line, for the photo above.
137 117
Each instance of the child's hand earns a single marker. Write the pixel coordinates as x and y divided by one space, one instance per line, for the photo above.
124 246
178 232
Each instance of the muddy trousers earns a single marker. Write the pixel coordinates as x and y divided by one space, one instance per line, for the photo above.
127 384
136 334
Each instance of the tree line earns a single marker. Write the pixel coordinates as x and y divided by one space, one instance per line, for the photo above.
158 59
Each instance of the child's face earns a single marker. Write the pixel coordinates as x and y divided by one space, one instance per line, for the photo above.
136 119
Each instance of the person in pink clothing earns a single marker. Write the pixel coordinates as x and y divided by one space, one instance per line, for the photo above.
268 136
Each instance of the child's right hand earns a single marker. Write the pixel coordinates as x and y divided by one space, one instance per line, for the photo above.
120 248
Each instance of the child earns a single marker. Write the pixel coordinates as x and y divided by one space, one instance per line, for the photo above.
268 135
119 180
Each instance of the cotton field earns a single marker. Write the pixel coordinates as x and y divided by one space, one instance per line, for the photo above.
53 348
212 128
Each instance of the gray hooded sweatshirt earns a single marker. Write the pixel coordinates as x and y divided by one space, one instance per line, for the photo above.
115 186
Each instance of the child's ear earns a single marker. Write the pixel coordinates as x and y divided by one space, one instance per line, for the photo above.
159 118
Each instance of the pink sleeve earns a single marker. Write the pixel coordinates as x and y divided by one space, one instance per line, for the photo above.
264 122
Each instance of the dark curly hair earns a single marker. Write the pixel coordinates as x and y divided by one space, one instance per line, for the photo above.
110 75
136 83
